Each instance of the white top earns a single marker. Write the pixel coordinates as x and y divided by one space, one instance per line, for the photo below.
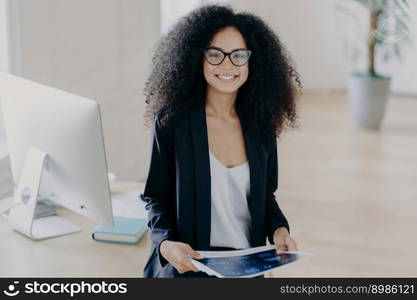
230 216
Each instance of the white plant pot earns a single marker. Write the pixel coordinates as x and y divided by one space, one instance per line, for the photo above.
368 98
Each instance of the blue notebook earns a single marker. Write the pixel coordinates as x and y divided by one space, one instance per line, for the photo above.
125 230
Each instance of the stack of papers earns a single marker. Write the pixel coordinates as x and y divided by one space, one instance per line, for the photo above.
129 204
245 263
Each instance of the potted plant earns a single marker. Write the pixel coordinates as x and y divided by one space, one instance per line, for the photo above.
388 30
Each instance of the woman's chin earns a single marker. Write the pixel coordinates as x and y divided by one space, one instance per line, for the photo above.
225 90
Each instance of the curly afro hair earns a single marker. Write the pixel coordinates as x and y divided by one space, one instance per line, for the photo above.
267 99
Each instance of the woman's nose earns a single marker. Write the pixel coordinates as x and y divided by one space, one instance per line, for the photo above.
227 61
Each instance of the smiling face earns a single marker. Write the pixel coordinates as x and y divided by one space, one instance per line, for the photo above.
226 77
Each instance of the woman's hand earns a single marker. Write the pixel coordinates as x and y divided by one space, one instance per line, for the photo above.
283 241
178 255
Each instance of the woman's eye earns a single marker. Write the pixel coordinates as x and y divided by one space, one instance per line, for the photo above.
239 55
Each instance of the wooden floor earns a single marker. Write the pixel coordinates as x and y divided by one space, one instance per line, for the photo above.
350 195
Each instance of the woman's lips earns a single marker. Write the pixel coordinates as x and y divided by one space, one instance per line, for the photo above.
227 78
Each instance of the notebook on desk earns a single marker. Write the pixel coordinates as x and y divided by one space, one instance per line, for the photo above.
126 230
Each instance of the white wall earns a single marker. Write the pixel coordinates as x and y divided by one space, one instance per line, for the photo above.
315 34
171 11
309 29
96 49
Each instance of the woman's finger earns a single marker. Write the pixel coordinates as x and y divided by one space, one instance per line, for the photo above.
182 265
279 251
187 265
280 246
190 266
192 253
292 246
195 254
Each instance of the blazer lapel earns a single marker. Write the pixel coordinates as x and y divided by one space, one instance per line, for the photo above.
198 128
202 176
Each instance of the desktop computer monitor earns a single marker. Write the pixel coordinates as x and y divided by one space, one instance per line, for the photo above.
56 150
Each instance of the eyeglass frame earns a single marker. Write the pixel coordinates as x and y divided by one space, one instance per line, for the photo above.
227 54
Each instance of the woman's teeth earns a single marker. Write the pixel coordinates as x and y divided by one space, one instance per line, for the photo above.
226 77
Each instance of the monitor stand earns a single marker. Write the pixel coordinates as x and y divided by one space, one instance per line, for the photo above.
22 214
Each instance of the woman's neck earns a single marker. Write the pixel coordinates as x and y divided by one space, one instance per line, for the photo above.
221 105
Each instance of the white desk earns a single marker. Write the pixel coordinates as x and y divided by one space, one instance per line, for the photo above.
74 255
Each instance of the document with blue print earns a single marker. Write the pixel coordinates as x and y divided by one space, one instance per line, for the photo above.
245 263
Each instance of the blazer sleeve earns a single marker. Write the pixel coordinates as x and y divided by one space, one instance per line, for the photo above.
159 191
274 216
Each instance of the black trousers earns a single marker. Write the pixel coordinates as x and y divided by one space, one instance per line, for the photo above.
200 274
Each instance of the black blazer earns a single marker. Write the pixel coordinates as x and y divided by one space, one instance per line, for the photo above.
178 192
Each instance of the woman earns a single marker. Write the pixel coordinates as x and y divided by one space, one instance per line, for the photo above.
221 90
